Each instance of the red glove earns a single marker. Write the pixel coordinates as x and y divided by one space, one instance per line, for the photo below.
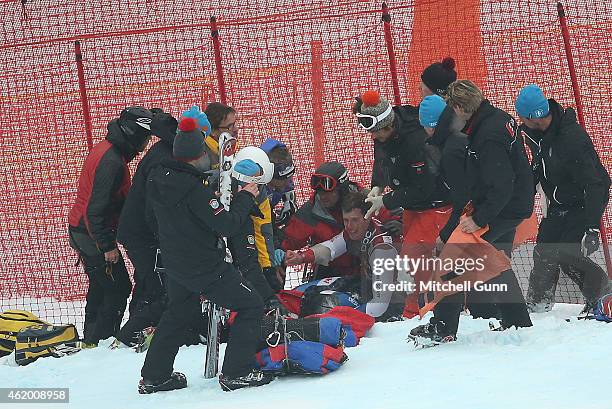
293 258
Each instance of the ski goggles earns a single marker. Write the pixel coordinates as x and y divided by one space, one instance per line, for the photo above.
323 182
283 170
367 122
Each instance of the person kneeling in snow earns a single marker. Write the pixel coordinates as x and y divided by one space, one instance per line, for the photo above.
365 239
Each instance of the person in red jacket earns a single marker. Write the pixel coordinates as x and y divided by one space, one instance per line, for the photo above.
103 187
367 240
320 218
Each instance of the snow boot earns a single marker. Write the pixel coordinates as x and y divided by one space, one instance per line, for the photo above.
253 378
176 381
431 334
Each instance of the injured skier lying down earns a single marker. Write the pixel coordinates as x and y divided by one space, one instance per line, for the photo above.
365 239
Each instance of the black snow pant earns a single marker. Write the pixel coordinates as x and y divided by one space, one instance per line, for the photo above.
229 291
108 291
558 249
147 315
148 287
149 300
510 304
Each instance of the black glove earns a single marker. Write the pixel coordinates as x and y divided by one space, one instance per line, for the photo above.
393 227
590 242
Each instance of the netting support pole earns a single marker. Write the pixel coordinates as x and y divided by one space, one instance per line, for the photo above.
386 18
83 92
214 33
580 112
316 78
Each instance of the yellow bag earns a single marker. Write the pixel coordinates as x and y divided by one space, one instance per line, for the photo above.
11 322
43 340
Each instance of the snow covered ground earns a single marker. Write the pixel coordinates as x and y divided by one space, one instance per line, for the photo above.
555 364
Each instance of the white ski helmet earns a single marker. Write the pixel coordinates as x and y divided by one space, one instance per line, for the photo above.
260 157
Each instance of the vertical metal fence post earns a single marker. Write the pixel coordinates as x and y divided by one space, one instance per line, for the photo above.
214 33
386 18
579 110
83 92
318 129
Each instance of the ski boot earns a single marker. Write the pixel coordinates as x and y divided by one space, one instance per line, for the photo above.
176 381
431 334
253 378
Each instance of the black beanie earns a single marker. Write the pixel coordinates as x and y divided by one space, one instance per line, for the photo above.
334 169
439 75
189 141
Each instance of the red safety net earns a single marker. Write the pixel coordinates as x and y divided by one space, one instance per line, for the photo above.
290 68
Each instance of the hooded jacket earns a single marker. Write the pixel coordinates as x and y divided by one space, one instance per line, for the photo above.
103 187
498 171
567 166
402 164
133 230
191 221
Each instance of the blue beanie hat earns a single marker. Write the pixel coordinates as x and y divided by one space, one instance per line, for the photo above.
430 110
531 103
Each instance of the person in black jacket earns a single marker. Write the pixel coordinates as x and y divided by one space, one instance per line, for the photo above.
497 165
103 186
399 156
402 160
500 186
406 164
190 222
133 231
576 186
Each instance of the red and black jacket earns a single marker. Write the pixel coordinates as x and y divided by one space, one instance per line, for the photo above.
103 186
402 164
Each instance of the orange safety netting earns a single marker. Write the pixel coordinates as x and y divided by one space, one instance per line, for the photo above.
291 69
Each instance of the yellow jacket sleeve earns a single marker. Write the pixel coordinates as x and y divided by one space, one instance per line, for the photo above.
264 239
